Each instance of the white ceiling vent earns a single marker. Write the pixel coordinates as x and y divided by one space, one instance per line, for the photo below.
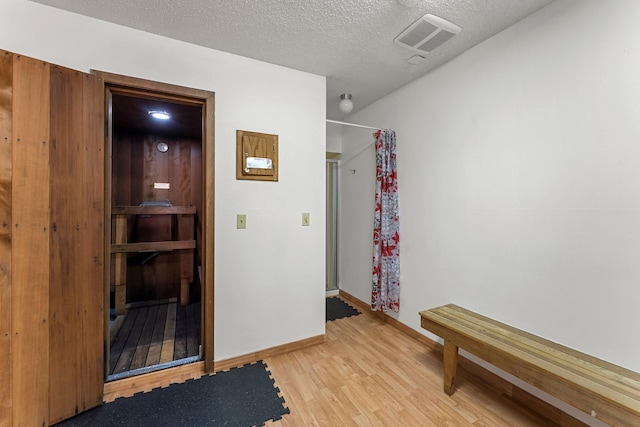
427 33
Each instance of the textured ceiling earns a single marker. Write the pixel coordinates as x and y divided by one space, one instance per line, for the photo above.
348 41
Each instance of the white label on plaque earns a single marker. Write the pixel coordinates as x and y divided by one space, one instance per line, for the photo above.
161 185
259 163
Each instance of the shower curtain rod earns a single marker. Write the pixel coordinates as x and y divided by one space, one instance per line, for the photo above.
351 124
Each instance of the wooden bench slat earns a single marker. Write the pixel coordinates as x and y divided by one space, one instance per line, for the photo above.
624 380
170 245
552 354
627 373
566 353
585 393
153 210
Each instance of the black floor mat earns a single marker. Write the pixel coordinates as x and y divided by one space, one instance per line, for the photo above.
240 397
337 309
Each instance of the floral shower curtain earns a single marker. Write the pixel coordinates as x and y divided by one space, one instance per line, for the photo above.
385 292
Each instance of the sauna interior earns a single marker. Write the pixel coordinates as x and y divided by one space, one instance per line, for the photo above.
154 289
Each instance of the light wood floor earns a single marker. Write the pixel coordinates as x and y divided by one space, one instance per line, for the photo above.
367 373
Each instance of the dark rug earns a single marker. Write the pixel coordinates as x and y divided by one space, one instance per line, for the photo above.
338 309
240 397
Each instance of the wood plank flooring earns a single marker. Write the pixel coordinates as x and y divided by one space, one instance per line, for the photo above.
155 334
367 373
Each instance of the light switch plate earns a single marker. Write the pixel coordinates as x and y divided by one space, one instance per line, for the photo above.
241 221
305 219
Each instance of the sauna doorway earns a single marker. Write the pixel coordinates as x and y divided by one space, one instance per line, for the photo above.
159 285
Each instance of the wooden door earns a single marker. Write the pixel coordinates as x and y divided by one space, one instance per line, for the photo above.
51 241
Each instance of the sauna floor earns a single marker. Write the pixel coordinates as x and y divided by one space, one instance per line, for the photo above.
155 334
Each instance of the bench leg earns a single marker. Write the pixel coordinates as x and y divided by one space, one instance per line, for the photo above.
450 365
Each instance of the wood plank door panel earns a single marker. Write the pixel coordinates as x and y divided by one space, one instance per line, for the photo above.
30 242
92 316
66 135
76 301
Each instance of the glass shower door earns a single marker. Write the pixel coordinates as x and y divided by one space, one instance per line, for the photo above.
332 225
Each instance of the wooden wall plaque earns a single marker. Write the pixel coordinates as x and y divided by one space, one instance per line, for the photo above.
256 156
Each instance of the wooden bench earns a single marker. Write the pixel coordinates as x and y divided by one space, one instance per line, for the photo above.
603 390
120 247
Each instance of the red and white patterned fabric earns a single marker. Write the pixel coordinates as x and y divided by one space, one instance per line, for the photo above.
385 292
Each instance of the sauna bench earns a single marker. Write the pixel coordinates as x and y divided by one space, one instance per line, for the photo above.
599 388
185 242
122 211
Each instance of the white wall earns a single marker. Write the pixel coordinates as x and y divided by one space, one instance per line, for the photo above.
269 278
519 175
334 138
355 224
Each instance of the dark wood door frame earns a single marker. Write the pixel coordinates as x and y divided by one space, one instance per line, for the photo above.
168 92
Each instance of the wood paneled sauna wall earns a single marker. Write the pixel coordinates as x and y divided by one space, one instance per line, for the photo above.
51 241
137 166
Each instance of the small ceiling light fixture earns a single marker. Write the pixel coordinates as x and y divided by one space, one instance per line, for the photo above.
346 104
160 115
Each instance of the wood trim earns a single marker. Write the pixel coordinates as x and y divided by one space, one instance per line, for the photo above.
480 374
144 383
142 87
363 306
6 138
234 362
407 330
127 387
91 372
477 372
208 176
108 179
172 97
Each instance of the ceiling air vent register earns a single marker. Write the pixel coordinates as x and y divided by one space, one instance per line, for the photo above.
426 34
